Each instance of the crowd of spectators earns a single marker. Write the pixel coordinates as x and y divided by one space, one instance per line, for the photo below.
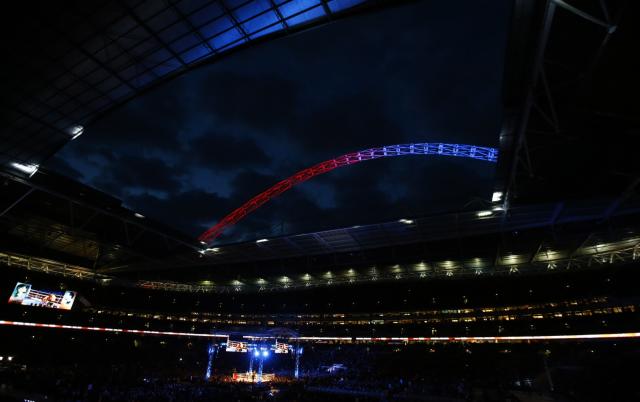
64 366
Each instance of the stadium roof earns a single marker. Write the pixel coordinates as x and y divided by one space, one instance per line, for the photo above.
71 62
565 246
84 233
568 129
553 147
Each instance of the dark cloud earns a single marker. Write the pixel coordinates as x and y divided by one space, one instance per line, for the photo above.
263 101
192 150
226 152
359 197
129 172
151 122
193 209
62 166
283 214
349 123
445 184
249 183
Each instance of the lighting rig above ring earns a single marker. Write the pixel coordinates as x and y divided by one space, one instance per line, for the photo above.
257 350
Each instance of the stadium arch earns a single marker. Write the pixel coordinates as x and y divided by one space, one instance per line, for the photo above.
486 154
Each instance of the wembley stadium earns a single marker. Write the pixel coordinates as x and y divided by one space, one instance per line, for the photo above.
310 200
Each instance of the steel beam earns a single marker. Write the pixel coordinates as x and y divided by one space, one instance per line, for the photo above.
582 14
17 201
520 140
135 222
582 257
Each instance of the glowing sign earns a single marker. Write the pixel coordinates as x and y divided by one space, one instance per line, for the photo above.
234 346
26 295
252 377
281 348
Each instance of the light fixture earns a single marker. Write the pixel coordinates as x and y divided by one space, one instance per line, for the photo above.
26 168
512 258
497 196
262 240
483 214
406 221
75 131
265 353
256 353
137 215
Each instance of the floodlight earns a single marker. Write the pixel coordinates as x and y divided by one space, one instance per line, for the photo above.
26 168
75 131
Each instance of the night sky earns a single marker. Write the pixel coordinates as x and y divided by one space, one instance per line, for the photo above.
195 148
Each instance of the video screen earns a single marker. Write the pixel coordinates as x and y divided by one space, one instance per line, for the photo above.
233 346
26 295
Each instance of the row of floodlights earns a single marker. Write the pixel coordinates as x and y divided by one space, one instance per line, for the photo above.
478 264
480 214
30 169
496 198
